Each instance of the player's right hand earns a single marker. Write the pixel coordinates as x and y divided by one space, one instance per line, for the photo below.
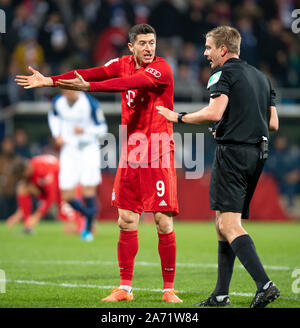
36 80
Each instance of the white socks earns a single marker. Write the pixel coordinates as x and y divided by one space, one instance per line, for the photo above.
127 288
221 298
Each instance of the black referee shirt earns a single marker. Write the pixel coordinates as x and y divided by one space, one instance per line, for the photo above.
246 117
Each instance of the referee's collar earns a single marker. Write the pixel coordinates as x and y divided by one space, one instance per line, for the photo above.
232 60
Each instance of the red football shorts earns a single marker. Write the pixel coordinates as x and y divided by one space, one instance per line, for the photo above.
147 189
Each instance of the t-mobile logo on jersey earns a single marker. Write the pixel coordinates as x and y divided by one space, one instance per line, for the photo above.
130 98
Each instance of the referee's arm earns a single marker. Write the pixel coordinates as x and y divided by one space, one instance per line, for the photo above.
273 122
213 112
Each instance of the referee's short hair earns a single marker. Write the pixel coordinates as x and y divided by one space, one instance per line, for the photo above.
140 29
228 36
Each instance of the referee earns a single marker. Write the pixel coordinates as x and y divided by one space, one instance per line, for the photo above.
243 109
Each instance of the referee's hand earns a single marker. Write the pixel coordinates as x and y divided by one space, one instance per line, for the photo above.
168 114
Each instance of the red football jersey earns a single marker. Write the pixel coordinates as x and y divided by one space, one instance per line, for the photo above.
146 134
139 115
45 178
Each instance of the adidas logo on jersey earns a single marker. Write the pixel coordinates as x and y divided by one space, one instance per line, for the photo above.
162 203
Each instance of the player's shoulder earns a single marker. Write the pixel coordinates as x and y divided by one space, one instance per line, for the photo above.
87 96
125 59
160 61
56 99
36 161
93 101
44 159
159 67
111 61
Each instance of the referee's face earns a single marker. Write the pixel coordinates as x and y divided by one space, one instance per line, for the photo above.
213 54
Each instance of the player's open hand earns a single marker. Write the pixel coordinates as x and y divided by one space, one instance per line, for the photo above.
74 84
36 80
168 114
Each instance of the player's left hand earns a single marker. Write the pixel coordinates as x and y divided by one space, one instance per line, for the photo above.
74 84
78 130
32 220
168 114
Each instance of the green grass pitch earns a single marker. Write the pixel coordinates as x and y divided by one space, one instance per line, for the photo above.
52 270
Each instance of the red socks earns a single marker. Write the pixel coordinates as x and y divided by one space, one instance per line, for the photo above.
127 249
25 204
167 252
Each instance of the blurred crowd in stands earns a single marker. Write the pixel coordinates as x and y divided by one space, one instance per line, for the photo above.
47 34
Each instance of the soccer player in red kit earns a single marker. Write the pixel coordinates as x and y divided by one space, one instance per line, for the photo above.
39 177
146 176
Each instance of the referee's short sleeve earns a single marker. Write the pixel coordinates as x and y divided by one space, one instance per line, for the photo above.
219 83
272 98
272 95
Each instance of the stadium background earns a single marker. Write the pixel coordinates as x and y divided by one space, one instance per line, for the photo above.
55 36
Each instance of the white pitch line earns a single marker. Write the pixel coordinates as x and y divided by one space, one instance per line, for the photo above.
70 285
140 263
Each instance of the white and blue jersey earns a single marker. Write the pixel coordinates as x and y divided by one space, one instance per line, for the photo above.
80 155
84 113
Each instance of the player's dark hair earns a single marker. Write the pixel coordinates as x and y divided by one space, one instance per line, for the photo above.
19 167
139 29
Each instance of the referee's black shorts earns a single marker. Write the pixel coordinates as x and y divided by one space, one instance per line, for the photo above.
235 173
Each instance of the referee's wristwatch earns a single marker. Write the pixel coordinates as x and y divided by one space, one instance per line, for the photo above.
180 115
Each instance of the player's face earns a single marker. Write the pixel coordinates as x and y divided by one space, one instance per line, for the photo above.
143 49
212 53
27 173
71 95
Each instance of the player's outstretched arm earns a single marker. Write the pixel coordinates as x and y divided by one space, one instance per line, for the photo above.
74 84
36 80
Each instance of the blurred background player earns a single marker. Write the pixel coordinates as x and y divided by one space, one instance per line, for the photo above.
39 177
76 123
